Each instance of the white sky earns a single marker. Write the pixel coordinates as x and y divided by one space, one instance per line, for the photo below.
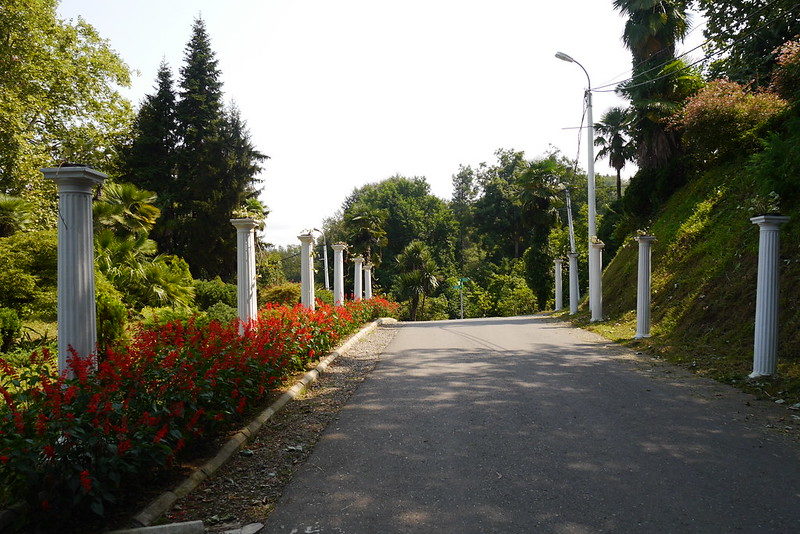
344 93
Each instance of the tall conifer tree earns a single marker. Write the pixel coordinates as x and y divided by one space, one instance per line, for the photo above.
150 161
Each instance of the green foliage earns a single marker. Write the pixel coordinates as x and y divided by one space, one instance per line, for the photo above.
777 168
207 293
198 157
125 209
510 295
58 101
221 312
786 76
749 31
612 135
288 293
153 317
724 121
112 316
269 268
10 328
417 278
324 295
15 214
28 273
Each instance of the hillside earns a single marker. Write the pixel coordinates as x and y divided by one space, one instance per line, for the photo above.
704 284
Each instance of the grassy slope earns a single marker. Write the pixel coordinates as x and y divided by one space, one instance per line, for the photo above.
704 283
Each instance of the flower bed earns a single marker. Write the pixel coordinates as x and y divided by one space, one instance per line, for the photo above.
70 444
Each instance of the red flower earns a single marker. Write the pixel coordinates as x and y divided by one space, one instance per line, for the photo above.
4 459
49 451
123 446
160 434
86 481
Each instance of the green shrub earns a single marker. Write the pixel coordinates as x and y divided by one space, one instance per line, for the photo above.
207 293
511 296
28 266
723 121
786 77
325 295
156 317
10 328
112 316
288 293
777 168
222 313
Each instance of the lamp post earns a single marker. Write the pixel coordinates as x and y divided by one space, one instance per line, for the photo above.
595 281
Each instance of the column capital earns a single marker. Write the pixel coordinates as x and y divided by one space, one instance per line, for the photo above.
558 260
572 254
358 259
306 238
368 266
645 238
74 179
339 247
244 224
770 220
598 245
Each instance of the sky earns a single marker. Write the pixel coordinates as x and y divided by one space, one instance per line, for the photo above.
341 94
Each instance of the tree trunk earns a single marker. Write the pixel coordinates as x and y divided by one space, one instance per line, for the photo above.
619 184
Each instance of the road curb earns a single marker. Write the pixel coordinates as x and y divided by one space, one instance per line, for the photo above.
164 502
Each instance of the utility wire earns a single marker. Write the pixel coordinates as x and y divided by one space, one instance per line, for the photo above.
601 89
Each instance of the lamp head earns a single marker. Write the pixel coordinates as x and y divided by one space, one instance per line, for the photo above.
564 57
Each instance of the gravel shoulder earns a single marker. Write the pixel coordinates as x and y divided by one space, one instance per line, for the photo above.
246 489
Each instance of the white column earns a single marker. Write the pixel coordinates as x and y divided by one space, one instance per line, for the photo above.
357 292
643 287
338 273
765 345
559 286
596 291
246 296
306 271
367 280
77 320
574 288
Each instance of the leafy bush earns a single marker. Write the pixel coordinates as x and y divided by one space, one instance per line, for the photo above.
510 296
10 328
222 313
777 168
724 121
155 317
786 76
207 293
112 316
288 293
28 265
69 445
324 295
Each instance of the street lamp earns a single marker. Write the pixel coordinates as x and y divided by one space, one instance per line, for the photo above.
595 278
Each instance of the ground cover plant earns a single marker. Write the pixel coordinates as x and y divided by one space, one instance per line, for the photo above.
68 446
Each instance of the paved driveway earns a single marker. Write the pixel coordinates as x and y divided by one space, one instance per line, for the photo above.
526 425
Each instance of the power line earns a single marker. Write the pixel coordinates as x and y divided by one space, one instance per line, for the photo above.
601 89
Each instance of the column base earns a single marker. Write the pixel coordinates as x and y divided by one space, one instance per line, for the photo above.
756 374
641 336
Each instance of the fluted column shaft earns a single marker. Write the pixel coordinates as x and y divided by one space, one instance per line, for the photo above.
368 281
77 319
574 287
338 274
643 286
596 289
357 276
246 295
559 286
306 271
765 344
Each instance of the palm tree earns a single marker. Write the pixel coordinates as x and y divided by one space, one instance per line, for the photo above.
15 214
651 33
126 209
614 141
418 276
365 230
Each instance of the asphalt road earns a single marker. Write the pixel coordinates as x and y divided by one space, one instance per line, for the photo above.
525 425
